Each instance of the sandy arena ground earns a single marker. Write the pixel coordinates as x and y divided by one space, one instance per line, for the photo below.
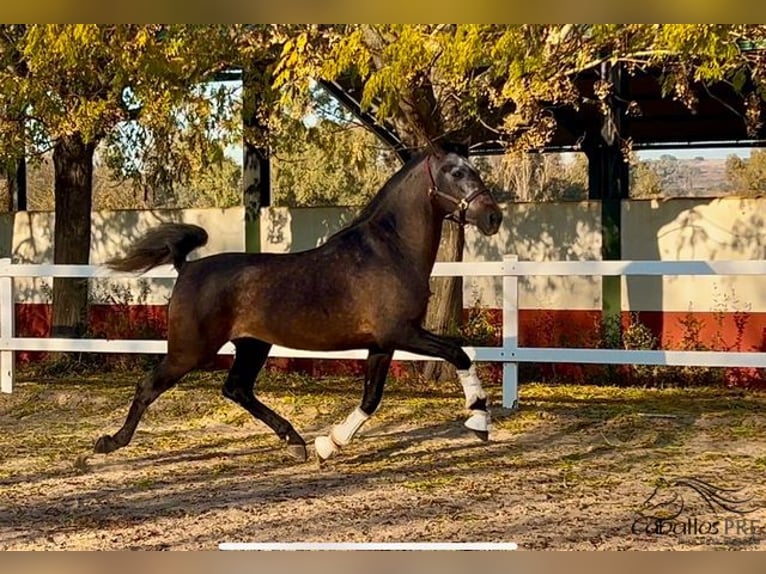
570 470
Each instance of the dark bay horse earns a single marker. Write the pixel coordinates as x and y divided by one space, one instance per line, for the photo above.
366 287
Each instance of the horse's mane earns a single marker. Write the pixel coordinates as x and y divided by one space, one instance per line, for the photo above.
372 207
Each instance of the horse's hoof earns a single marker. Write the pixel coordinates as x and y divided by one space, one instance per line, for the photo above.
324 447
105 445
297 452
483 435
479 422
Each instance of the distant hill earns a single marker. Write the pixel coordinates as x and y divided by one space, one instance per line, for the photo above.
697 177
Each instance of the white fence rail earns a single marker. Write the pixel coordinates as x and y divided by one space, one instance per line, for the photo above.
509 353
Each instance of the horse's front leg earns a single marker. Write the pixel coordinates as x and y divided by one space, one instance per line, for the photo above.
476 402
426 343
341 434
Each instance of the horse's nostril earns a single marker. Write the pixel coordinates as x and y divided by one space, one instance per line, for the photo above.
495 218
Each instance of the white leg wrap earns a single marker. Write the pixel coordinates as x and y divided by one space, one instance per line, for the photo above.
479 421
340 435
471 386
343 433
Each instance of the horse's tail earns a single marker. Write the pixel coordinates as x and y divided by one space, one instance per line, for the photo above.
167 243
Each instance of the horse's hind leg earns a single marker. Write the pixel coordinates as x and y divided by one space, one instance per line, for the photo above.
163 377
250 357
378 363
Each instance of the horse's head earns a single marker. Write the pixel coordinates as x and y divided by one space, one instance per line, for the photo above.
458 191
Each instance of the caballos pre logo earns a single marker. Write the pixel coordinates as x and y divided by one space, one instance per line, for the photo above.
691 507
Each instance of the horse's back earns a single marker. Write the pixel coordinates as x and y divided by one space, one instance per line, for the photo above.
344 294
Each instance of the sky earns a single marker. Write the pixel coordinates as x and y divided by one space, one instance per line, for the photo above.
686 153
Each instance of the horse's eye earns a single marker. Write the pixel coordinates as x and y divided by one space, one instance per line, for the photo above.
458 173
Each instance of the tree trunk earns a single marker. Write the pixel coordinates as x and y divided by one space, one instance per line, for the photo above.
73 186
10 185
445 308
20 193
419 123
256 169
15 174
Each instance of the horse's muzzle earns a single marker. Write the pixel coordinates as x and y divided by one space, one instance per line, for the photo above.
490 220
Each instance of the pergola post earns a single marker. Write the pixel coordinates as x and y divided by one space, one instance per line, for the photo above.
608 182
256 163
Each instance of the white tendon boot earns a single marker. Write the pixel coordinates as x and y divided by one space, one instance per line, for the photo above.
479 421
340 435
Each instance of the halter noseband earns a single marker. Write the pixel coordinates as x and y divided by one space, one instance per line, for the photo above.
461 205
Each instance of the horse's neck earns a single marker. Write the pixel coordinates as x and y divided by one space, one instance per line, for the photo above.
417 225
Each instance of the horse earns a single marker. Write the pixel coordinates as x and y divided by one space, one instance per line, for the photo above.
366 287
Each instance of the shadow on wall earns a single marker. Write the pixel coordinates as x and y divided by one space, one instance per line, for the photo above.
567 231
693 229
702 229
32 242
112 232
289 230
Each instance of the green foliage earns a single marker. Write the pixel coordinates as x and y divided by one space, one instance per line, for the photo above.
434 80
535 177
215 185
336 164
136 87
479 329
645 181
747 176
86 78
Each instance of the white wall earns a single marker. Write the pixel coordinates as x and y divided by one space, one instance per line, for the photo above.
112 233
540 232
730 228
695 229
703 229
285 230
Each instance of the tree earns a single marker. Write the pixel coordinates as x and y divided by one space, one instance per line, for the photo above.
577 178
216 184
75 86
442 81
530 177
747 176
335 163
434 81
645 181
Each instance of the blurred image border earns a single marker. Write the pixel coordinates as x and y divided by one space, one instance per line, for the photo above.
348 11
378 562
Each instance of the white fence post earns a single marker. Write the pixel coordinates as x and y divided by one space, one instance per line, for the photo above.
7 320
510 333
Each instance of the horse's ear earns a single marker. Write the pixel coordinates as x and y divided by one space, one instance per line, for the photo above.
441 148
460 149
434 149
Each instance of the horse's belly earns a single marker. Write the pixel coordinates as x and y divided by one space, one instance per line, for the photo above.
309 335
